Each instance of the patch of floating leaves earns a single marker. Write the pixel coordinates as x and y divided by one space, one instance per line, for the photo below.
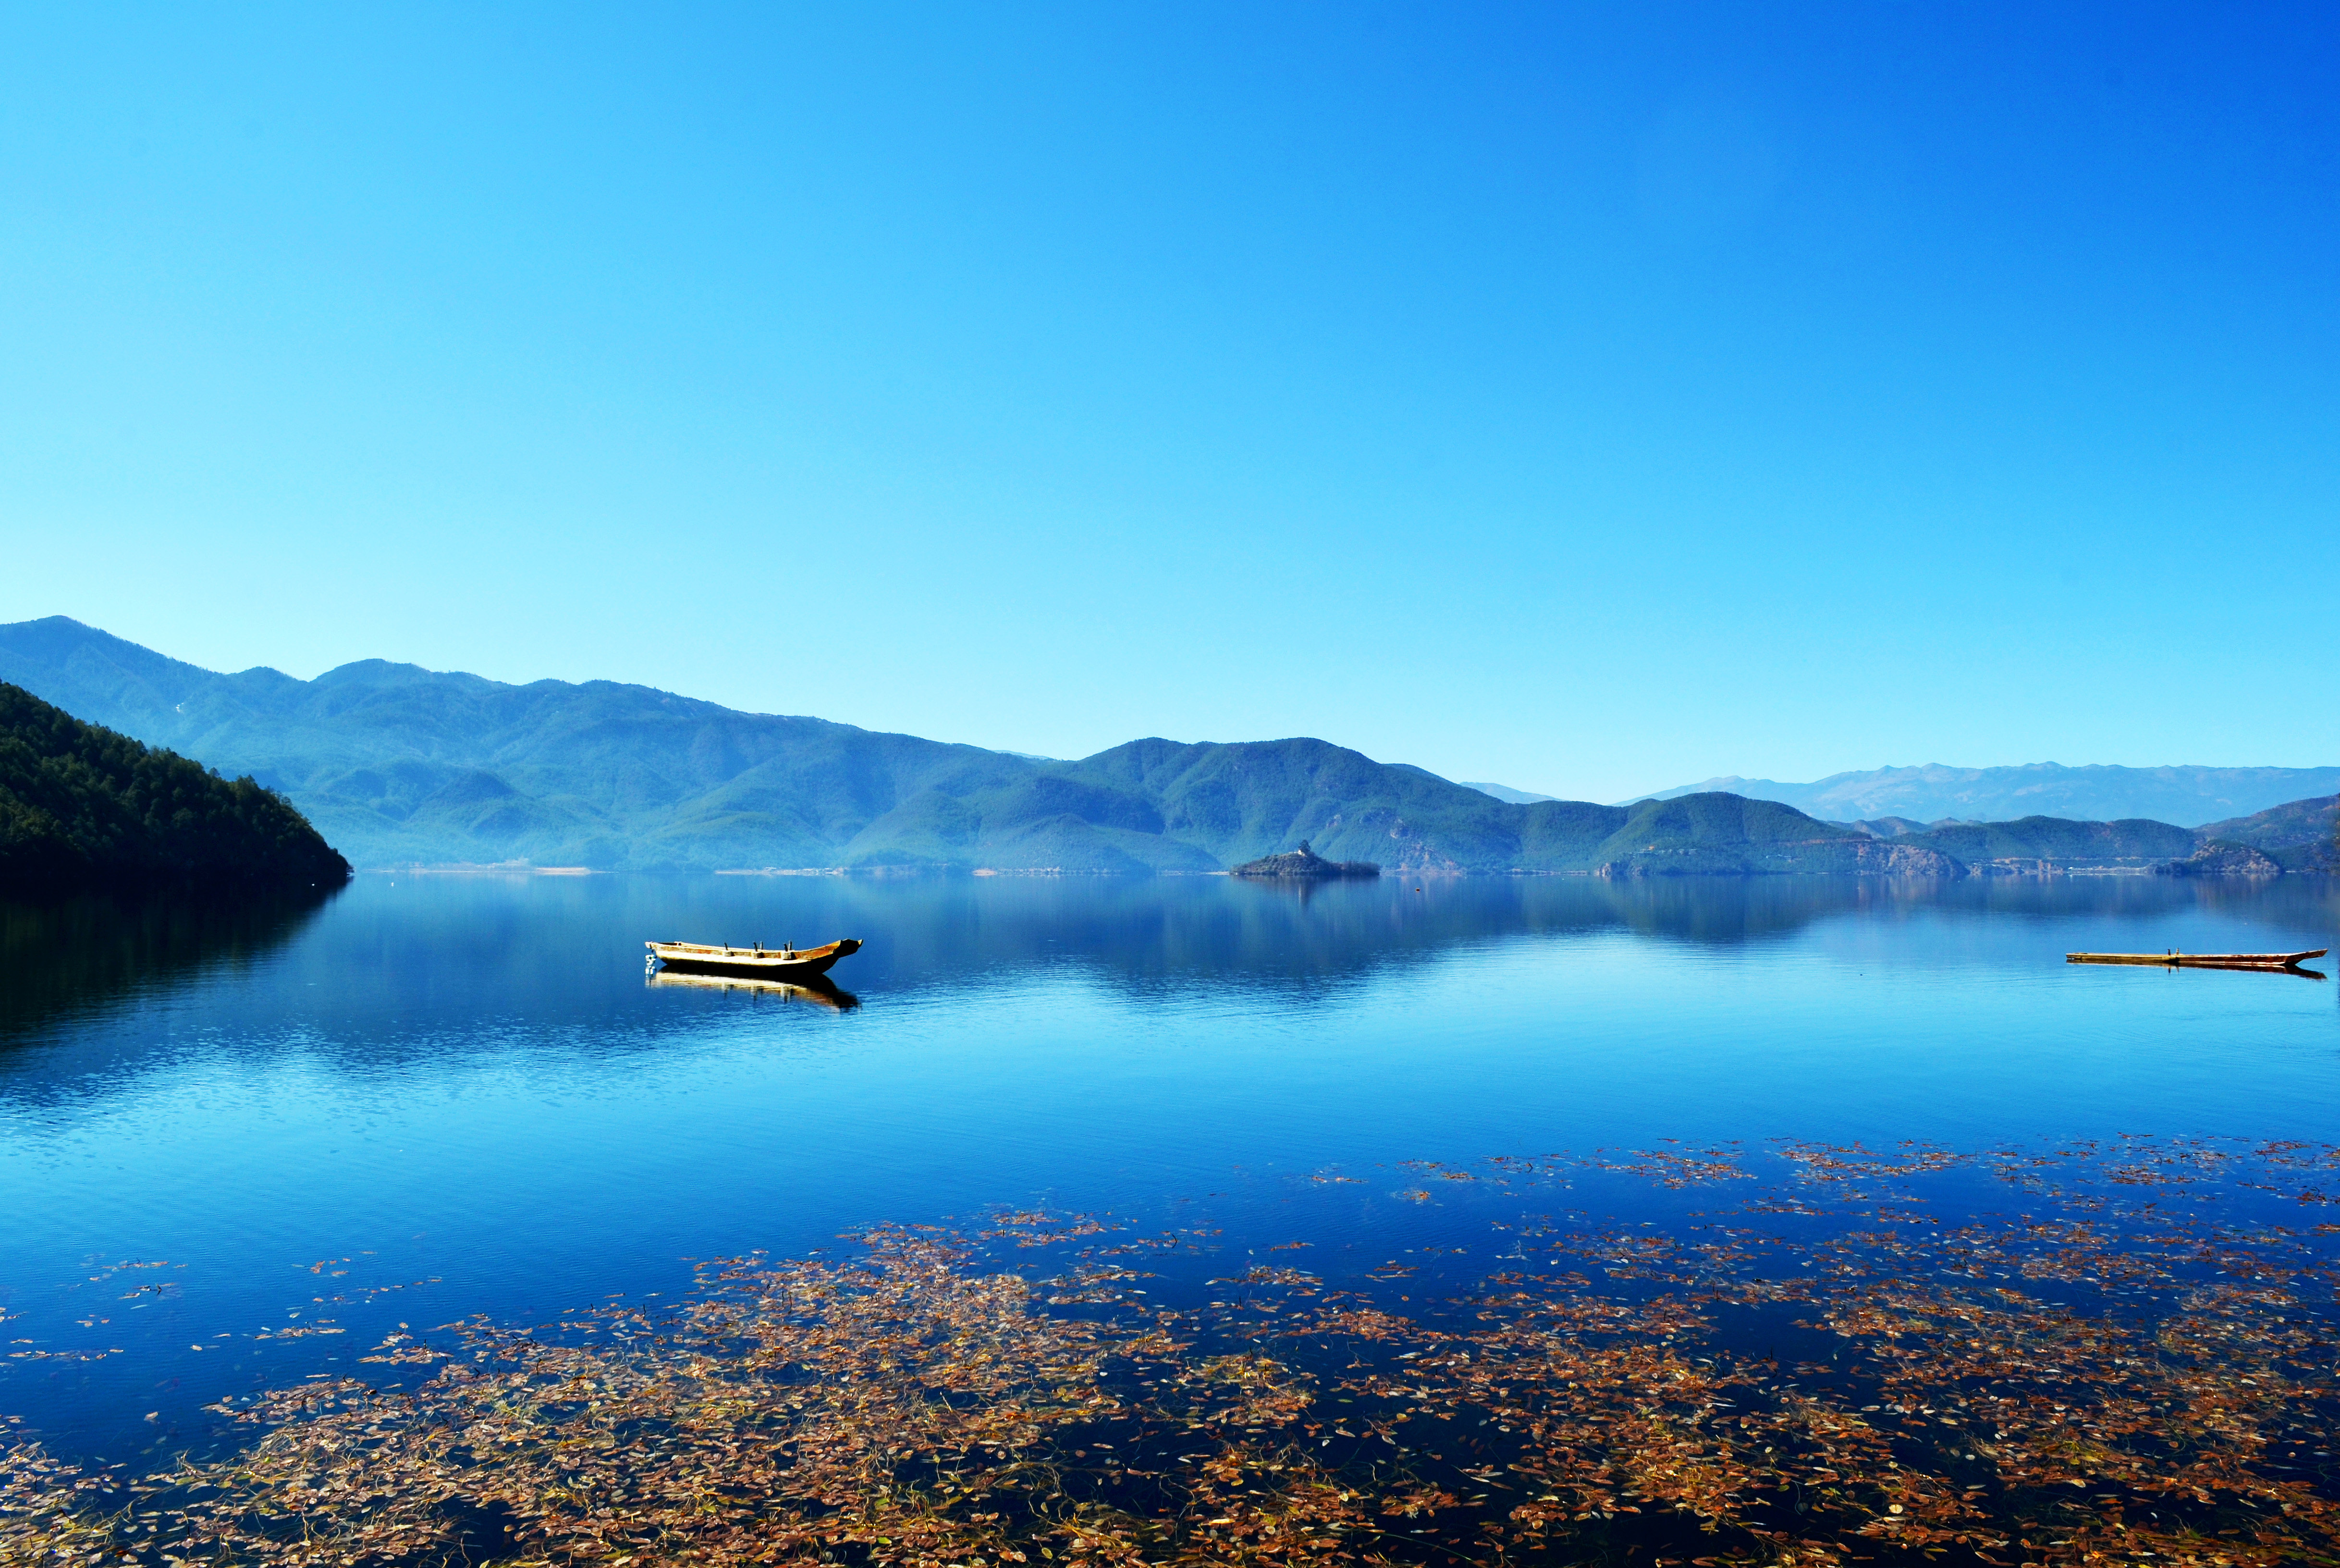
2129 1369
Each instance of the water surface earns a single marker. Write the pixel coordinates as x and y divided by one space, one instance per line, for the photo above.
437 1096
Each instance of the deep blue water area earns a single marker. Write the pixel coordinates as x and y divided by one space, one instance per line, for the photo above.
435 1097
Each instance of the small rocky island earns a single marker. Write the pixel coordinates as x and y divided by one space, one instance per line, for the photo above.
1305 864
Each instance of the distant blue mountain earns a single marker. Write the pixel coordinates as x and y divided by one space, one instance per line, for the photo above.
1505 793
2185 795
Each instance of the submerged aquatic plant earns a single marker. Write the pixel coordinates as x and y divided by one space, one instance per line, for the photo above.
1820 1370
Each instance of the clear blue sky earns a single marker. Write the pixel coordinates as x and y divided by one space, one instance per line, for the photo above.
1591 399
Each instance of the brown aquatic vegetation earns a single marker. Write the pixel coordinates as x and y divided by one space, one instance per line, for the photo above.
2128 1371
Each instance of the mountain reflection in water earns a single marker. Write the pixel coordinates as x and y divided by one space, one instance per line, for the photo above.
939 931
70 957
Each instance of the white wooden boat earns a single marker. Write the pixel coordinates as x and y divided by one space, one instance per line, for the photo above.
758 962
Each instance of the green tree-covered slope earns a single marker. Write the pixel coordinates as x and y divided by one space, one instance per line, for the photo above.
82 807
2298 836
1168 806
2134 841
1723 833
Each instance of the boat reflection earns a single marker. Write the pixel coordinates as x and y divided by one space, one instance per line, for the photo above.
818 992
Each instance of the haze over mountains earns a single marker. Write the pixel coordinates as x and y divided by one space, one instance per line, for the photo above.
396 765
1505 793
2189 797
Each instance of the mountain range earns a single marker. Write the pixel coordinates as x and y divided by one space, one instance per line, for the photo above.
2190 796
397 765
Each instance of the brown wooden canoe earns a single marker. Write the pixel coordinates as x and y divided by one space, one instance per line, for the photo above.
2202 960
758 962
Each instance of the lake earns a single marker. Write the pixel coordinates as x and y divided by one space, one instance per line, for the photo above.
238 1149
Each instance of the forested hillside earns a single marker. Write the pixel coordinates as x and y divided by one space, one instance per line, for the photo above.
1168 806
2054 839
82 806
2298 836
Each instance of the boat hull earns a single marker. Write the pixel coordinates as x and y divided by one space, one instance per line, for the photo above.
752 963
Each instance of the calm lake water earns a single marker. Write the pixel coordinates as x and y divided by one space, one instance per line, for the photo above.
436 1097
